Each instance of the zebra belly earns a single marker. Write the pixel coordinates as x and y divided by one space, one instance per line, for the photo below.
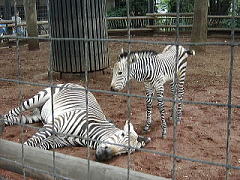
58 109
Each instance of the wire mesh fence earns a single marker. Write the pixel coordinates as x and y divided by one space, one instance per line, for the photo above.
86 82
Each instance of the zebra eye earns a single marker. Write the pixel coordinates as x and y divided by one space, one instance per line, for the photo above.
123 134
119 73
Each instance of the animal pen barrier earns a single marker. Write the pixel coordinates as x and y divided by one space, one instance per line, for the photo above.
20 164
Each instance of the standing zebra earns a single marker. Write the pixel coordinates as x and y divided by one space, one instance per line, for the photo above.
154 69
70 122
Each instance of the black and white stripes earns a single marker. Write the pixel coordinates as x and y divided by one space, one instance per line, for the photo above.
154 69
67 123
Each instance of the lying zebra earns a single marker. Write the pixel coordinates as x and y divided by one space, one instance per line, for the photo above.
70 123
154 69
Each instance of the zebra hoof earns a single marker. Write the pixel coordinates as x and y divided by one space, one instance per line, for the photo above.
164 136
146 129
2 124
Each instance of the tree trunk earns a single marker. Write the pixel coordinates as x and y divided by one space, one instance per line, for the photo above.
200 23
78 19
31 20
7 10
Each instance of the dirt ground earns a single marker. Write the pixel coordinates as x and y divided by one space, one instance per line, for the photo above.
201 135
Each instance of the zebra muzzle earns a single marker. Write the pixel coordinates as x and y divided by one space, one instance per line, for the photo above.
191 52
143 140
104 153
113 89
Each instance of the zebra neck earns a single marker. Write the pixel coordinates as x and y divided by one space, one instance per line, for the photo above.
138 71
104 136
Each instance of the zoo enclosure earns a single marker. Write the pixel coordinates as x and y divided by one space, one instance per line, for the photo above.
152 22
177 21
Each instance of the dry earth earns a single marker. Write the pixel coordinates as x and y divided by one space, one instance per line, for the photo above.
201 135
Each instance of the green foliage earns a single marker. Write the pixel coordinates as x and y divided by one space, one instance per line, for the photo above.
117 12
228 23
238 8
140 7
219 7
185 6
163 5
136 8
216 7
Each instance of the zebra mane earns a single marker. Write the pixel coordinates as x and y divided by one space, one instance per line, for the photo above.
133 55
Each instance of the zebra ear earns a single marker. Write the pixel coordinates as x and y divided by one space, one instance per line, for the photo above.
166 48
134 58
131 128
122 51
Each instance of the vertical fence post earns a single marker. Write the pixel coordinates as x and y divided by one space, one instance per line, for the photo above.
1 125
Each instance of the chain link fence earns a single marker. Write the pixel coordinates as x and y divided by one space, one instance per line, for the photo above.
55 173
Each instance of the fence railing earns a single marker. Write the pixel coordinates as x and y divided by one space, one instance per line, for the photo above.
150 22
7 28
136 23
167 22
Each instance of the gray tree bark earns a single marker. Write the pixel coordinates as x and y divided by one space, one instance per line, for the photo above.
200 23
31 20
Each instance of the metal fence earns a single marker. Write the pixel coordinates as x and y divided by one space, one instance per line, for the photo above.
152 23
42 12
232 44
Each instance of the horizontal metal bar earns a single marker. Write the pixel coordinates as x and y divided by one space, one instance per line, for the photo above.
123 94
230 43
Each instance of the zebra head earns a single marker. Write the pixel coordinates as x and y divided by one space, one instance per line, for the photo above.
120 70
118 142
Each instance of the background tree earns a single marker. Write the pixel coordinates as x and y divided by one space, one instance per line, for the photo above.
200 21
31 20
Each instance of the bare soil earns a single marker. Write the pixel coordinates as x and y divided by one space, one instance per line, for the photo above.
202 135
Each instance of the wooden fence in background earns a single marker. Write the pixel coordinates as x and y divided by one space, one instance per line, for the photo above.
168 22
153 22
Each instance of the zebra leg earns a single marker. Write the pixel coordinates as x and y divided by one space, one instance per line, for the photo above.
174 91
159 91
46 139
43 133
149 95
53 142
12 117
179 106
22 119
180 92
35 102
